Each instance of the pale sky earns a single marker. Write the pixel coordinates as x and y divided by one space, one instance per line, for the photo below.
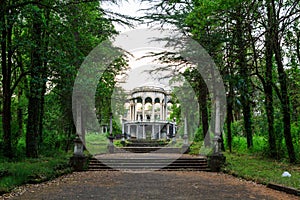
129 7
136 75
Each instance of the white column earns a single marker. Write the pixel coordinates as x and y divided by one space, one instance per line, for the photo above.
130 112
168 130
123 132
128 132
153 111
144 133
217 138
185 136
174 129
159 132
78 120
153 131
217 125
174 135
161 111
137 132
185 126
143 109
135 112
166 110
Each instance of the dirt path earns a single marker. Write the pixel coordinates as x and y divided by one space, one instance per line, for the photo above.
152 185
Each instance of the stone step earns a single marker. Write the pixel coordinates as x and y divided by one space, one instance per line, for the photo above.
144 144
150 149
149 160
147 141
195 164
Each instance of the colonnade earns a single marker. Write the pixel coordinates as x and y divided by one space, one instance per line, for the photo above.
146 115
158 130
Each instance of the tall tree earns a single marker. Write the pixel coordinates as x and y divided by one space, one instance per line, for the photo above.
37 72
6 64
269 80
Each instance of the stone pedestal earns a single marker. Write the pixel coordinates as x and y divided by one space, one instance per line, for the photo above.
110 146
78 162
216 161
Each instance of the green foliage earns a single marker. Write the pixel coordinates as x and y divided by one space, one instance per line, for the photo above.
120 143
13 174
195 148
261 169
198 135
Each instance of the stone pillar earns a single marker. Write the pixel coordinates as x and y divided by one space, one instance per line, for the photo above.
144 133
165 115
159 132
174 134
217 137
130 112
185 146
135 112
168 130
123 131
161 117
217 159
153 111
78 160
143 110
110 124
153 132
79 119
129 131
111 138
137 132
185 136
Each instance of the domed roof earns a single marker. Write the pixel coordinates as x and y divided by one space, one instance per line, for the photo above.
152 86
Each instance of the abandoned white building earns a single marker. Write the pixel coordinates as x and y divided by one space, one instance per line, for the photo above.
148 113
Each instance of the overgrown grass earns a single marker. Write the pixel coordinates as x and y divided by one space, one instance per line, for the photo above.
14 174
262 170
96 143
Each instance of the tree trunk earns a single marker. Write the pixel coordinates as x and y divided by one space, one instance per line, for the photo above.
44 74
229 118
244 76
36 84
268 84
203 110
19 116
285 102
6 64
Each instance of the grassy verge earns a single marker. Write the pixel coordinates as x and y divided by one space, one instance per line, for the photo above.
262 170
13 174
96 143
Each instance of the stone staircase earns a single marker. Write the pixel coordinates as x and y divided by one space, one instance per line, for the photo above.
147 164
145 155
147 143
148 146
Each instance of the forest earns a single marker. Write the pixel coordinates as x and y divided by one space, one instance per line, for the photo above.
254 44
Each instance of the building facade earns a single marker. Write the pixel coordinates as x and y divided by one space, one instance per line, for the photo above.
148 112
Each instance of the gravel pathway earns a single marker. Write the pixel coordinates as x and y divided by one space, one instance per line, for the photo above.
146 185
